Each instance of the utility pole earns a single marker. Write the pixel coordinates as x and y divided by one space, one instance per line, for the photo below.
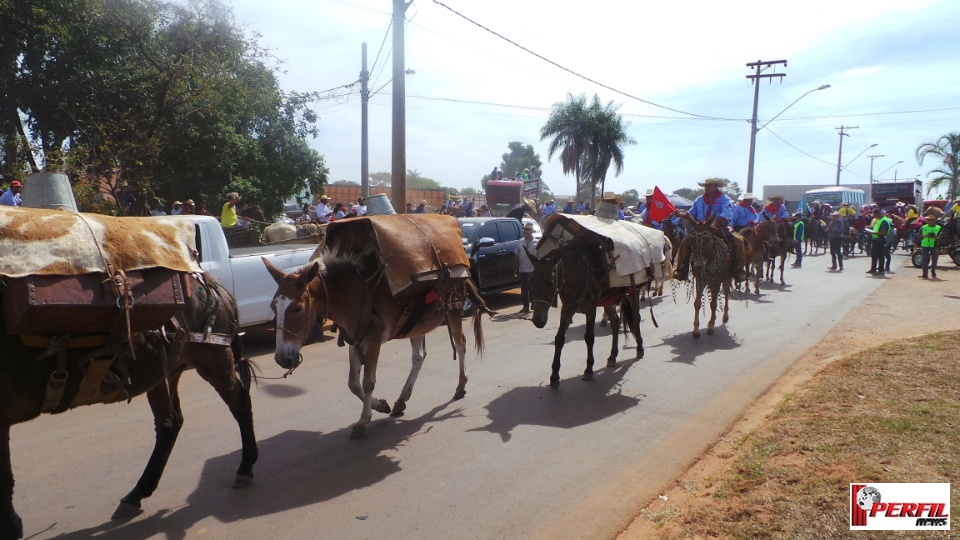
871 165
399 174
840 152
364 149
758 65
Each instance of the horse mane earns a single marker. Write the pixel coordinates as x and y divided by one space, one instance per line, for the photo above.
334 263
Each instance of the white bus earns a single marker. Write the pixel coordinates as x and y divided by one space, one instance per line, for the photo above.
833 196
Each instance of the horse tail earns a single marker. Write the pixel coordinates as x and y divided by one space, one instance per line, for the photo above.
480 307
627 308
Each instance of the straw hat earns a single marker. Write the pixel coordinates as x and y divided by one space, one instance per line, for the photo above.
844 204
713 181
747 196
775 196
189 201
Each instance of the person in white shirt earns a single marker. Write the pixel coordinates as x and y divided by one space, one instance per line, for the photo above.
360 208
323 210
525 251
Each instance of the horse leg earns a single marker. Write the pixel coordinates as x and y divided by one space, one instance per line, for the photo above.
588 339
714 295
697 303
11 526
222 375
167 419
363 360
611 312
726 302
631 316
455 327
418 346
566 317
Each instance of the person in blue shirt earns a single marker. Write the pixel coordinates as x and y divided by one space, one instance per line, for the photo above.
568 208
774 209
11 197
715 205
744 214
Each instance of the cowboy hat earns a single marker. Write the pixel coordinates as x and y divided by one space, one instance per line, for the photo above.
775 196
713 181
324 198
834 214
177 203
844 204
747 195
189 201
648 193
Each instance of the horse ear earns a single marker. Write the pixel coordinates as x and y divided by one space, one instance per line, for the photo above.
308 273
274 271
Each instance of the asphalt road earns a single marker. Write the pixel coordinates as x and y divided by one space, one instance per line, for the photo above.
512 459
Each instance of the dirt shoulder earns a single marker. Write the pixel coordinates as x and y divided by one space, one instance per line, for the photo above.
899 309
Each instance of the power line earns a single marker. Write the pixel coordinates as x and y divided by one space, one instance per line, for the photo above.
377 58
584 77
768 130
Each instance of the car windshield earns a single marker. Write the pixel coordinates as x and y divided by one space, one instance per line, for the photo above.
466 231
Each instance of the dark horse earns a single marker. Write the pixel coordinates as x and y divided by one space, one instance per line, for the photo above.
710 265
202 336
253 212
579 274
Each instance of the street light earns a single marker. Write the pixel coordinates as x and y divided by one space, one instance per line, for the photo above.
839 168
754 129
887 169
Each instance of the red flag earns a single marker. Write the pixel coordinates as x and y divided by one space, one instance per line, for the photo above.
660 207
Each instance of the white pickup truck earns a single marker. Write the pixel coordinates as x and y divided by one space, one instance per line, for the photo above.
242 271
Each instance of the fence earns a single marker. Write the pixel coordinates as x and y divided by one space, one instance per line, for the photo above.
348 195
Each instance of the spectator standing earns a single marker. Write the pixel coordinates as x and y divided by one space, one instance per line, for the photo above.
421 208
176 209
126 197
568 208
835 232
189 208
11 197
798 234
526 253
878 237
409 209
928 245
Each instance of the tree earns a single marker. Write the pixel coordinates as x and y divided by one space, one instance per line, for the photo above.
947 150
606 137
688 193
418 181
380 179
469 190
173 99
630 197
732 190
567 130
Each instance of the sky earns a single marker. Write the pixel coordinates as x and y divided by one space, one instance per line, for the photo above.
891 65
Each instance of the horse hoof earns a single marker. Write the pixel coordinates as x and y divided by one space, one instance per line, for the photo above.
241 481
459 394
710 331
358 431
639 354
126 511
696 335
587 376
554 383
611 362
381 406
14 527
398 408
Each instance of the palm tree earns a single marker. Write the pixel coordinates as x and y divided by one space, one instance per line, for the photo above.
607 135
567 125
947 149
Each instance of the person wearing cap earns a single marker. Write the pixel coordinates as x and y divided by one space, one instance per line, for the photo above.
360 208
228 215
421 208
928 245
713 204
177 208
881 228
836 230
485 211
322 210
526 254
774 209
11 197
744 214
409 208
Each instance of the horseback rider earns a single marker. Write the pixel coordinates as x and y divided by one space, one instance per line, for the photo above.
816 211
846 211
774 209
744 214
712 204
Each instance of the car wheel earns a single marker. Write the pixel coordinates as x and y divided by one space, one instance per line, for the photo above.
917 259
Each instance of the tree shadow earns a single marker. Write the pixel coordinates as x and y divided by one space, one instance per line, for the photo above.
575 403
687 350
296 469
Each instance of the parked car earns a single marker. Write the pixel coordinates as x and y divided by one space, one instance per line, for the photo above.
489 243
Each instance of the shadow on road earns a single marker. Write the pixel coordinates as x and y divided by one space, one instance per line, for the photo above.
575 403
296 469
688 350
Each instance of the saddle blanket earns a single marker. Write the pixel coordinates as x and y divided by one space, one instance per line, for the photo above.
631 248
54 242
418 251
